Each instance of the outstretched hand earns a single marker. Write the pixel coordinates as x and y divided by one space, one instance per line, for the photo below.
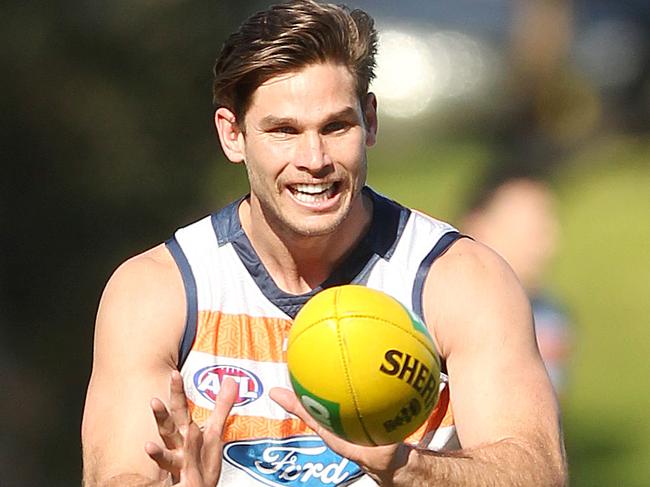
380 462
191 455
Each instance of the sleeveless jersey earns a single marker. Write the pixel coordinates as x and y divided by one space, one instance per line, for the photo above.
238 322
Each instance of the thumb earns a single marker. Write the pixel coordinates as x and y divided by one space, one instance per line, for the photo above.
289 401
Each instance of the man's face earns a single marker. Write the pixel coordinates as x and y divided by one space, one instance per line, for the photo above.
305 149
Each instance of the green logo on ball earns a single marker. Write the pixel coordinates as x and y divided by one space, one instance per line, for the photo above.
417 324
327 413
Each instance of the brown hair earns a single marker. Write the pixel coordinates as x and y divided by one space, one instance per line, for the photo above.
290 36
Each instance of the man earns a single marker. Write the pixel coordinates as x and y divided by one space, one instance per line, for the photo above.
216 301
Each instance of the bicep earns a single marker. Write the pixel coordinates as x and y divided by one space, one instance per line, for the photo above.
137 331
118 421
498 384
500 391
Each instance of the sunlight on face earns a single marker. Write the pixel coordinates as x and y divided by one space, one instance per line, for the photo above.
305 150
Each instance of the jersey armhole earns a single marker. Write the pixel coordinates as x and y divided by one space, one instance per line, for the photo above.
443 244
191 315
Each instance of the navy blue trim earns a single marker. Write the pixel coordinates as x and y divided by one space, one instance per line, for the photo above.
387 225
192 313
438 249
443 244
226 224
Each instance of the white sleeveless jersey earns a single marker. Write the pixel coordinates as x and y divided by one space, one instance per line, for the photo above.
238 322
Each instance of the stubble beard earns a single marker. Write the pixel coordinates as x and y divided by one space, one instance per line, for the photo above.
286 228
292 229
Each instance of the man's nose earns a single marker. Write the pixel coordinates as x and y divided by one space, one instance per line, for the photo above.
312 153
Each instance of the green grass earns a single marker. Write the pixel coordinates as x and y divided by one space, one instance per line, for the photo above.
434 179
603 271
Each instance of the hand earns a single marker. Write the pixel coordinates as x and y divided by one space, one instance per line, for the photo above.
380 462
191 455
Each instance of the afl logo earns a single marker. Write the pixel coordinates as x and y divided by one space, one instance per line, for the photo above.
208 382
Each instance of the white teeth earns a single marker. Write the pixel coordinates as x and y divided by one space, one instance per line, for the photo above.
312 188
312 193
307 198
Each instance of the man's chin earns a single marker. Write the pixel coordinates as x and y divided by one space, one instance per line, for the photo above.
314 231
315 226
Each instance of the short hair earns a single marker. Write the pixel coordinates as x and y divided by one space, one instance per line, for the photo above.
288 37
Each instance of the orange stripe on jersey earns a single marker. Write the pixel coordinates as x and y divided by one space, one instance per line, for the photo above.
245 427
241 336
441 416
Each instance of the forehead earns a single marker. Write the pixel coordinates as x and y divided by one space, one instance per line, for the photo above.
314 90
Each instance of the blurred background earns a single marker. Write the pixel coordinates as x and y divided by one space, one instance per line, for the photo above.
108 146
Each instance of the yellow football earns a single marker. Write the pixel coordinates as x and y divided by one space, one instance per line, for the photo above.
363 365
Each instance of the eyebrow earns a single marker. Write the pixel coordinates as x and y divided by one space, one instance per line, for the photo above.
346 113
272 121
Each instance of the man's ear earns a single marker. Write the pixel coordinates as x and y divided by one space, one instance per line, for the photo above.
370 116
230 135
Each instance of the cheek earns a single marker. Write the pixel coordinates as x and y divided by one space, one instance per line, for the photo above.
347 154
269 158
354 160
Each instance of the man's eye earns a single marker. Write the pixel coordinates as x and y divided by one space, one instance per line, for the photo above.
285 130
335 127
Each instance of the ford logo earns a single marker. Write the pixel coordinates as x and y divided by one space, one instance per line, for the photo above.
297 461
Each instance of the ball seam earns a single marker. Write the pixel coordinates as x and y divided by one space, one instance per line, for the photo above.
432 349
410 332
346 371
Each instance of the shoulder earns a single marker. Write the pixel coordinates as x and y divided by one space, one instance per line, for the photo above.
143 303
149 281
156 267
469 263
472 292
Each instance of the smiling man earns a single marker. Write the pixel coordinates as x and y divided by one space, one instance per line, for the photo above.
201 321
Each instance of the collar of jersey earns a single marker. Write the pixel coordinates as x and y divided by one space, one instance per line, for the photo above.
386 227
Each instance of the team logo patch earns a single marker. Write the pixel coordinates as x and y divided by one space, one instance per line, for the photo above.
208 382
298 461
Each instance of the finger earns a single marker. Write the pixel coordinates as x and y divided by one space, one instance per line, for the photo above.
222 406
371 458
178 402
193 472
166 459
289 401
167 429
192 446
215 425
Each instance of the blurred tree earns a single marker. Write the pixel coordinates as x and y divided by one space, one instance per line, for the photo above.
108 143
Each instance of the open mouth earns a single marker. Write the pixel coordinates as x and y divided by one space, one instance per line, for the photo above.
314 193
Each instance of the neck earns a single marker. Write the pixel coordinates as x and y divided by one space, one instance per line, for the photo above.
299 263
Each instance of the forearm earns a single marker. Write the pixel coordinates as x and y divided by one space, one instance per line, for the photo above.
127 480
506 463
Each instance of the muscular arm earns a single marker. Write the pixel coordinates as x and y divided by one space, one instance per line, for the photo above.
504 407
139 325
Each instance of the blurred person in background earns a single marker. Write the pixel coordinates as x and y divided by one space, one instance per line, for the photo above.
215 302
516 217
